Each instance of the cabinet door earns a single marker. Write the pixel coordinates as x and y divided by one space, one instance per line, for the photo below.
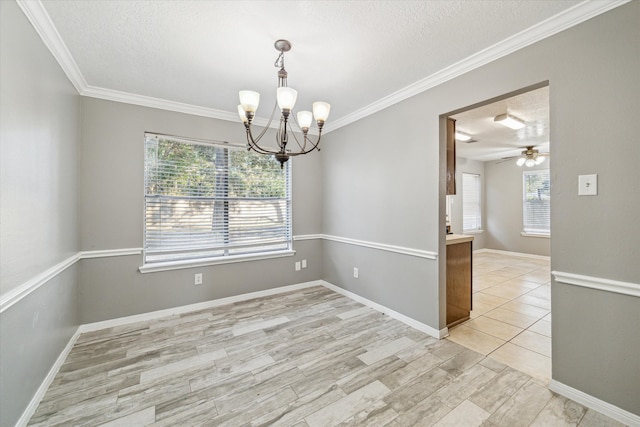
458 282
451 156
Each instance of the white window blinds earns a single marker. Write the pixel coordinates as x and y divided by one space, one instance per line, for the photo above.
205 200
536 208
471 205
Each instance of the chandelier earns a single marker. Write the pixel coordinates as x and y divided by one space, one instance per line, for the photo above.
531 157
285 99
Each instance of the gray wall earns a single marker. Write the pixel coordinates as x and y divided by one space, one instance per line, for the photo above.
503 199
383 182
469 166
111 217
39 140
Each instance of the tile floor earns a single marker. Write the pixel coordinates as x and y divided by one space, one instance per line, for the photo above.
511 317
308 358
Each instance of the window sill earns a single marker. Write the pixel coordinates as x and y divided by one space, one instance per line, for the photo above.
204 262
472 231
529 234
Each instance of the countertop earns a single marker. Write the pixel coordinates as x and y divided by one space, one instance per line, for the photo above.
453 239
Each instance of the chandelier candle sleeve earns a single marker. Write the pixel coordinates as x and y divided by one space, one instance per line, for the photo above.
304 119
321 111
286 98
288 143
249 100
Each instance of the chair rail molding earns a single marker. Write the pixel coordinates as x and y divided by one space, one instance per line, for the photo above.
14 295
608 285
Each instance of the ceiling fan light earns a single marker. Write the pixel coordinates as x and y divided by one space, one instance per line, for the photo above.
509 121
520 161
321 111
286 98
249 100
539 160
529 163
461 136
304 119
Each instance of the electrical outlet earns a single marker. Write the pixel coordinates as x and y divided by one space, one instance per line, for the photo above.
304 263
297 265
355 272
198 279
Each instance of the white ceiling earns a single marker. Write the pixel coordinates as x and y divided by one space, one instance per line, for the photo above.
360 56
492 141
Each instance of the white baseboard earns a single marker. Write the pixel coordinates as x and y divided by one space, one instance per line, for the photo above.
194 307
594 403
244 297
391 313
37 397
520 254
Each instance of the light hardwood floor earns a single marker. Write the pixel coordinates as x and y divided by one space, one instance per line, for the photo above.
305 358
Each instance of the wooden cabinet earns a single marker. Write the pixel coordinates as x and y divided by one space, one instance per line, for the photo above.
451 156
459 276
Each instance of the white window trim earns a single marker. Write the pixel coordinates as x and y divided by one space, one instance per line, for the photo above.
532 234
480 231
150 267
479 181
204 262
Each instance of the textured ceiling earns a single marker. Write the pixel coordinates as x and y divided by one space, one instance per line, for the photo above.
360 56
348 53
494 141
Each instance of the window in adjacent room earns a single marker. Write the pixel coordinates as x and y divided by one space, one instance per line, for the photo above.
206 200
471 206
536 207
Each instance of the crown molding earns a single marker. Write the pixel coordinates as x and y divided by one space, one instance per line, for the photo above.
161 104
557 23
39 18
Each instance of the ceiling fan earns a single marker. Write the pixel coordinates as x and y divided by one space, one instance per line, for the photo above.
529 157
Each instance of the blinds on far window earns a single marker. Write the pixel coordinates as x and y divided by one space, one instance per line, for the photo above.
536 202
206 200
471 206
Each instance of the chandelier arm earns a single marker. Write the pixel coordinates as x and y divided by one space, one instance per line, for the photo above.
253 142
253 145
295 137
304 143
313 144
264 130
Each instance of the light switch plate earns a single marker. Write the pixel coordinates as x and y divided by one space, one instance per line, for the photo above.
588 185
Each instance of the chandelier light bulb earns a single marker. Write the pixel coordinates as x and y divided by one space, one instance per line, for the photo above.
321 111
286 98
249 100
304 119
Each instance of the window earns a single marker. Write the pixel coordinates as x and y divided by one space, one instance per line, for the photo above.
471 207
536 203
207 200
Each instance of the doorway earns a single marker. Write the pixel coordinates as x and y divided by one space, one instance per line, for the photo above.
504 203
